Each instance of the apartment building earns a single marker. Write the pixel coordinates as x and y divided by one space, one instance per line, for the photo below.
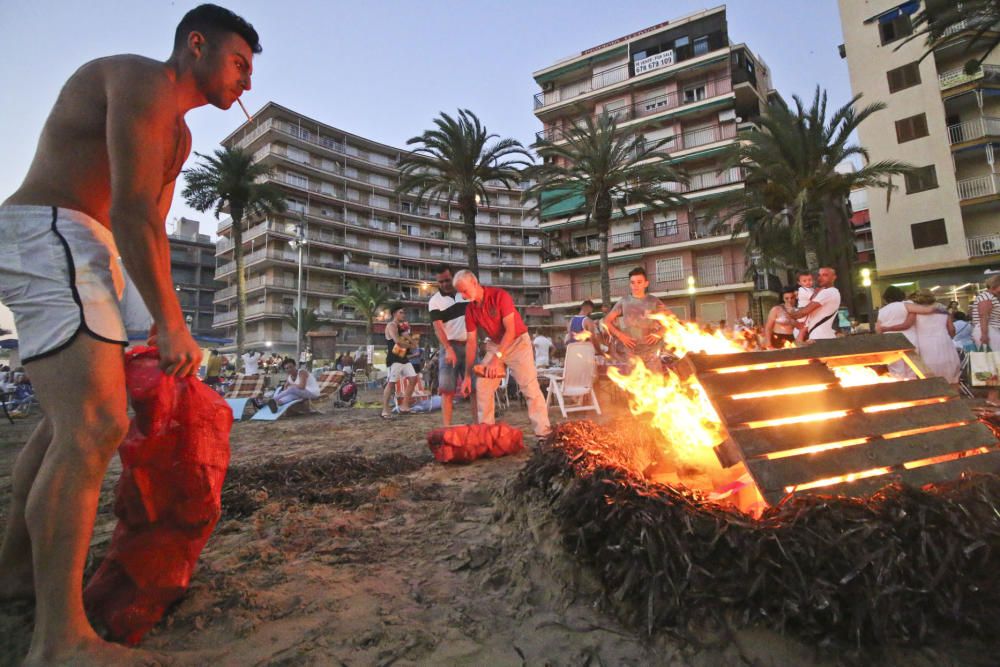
340 188
682 80
192 266
939 229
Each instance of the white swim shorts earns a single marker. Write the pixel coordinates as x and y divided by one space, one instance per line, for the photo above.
60 274
400 371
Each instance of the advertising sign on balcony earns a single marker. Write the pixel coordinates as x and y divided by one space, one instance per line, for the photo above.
657 61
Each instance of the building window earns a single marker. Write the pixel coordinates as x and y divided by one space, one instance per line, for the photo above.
896 28
670 269
298 180
700 46
903 77
914 127
694 94
665 228
924 178
929 234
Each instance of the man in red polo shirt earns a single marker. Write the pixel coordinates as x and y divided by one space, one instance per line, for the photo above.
491 310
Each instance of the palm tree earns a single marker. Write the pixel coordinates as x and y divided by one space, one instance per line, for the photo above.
604 168
794 191
230 179
455 161
366 298
938 20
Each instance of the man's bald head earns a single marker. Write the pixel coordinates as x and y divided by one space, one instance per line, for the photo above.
467 284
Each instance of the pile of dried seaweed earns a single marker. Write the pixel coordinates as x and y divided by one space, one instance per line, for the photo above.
331 478
899 567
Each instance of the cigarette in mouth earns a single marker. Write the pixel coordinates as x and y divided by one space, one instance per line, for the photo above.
240 102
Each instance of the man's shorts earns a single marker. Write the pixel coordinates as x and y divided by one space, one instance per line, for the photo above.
450 377
400 371
60 274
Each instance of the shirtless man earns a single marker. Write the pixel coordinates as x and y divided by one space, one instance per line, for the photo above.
103 176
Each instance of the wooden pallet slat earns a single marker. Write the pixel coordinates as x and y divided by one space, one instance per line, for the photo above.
771 379
772 476
931 474
888 344
771 439
736 413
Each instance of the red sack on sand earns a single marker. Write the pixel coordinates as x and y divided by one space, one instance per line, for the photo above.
469 442
167 500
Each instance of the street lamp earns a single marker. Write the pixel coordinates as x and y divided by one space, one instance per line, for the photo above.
691 304
866 281
299 243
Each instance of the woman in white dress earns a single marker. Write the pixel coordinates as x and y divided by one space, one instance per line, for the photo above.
893 316
934 328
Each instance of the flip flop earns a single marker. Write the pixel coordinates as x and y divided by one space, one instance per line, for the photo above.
385 416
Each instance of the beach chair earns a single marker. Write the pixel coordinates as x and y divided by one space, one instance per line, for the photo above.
296 407
244 389
576 381
329 384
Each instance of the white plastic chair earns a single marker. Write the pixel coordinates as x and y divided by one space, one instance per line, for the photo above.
576 381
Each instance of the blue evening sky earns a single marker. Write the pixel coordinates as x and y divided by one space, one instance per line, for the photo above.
382 69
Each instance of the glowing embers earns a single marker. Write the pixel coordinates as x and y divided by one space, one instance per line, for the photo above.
903 404
808 389
840 479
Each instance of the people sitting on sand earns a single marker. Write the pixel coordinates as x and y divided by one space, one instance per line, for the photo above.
299 384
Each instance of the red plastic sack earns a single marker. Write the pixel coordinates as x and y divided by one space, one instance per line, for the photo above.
474 441
167 500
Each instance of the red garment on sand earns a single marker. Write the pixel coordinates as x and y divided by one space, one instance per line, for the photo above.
167 500
469 442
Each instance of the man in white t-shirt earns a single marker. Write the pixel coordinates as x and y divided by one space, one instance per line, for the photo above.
447 309
821 311
542 344
251 362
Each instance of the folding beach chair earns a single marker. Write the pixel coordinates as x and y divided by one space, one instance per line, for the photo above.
576 381
329 384
245 388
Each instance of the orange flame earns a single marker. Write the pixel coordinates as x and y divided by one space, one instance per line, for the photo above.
680 411
684 337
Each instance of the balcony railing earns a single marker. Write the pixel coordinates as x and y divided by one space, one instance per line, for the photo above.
655 105
705 276
981 246
983 186
958 76
977 128
659 234
706 135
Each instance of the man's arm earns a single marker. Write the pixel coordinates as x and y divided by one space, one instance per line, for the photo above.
142 120
609 322
450 357
985 308
910 320
392 331
805 310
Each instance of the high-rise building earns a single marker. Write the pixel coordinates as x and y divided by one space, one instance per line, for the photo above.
682 80
940 227
192 265
340 187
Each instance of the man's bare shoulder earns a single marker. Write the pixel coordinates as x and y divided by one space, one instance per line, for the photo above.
128 74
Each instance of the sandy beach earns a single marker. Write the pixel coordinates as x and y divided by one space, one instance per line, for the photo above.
344 542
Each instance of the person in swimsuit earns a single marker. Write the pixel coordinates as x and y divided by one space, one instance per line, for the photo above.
779 331
101 181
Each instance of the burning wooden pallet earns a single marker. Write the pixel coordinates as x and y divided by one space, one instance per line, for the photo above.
797 429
